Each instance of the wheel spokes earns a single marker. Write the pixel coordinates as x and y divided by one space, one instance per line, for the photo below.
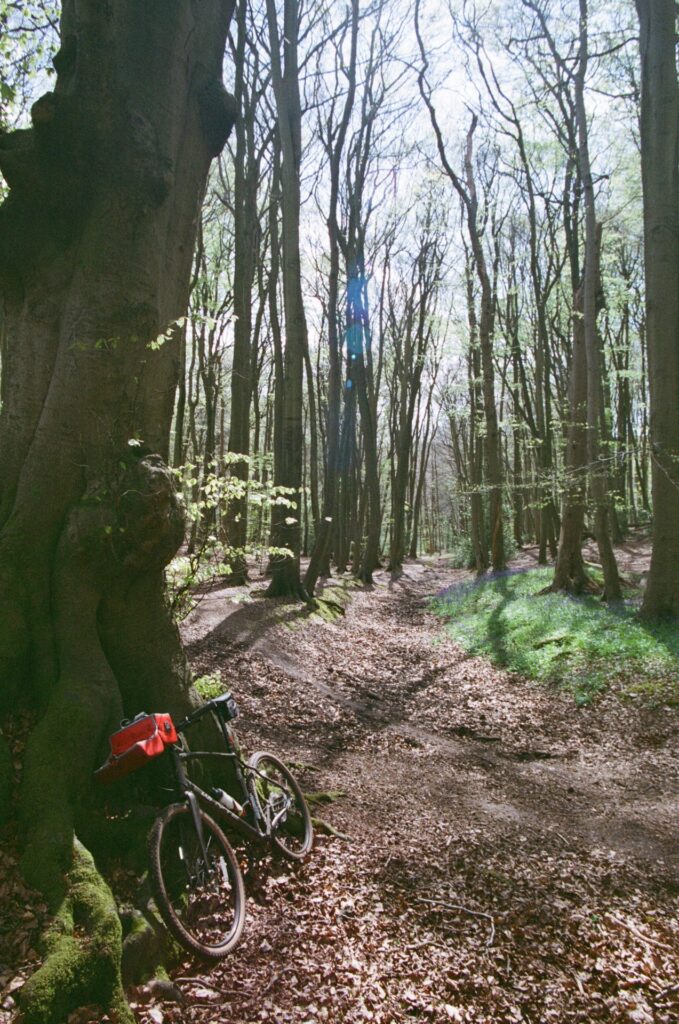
201 892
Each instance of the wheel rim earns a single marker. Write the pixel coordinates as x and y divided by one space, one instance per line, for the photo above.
283 811
202 895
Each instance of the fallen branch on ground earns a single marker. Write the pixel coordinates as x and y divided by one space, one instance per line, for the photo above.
639 935
466 910
202 983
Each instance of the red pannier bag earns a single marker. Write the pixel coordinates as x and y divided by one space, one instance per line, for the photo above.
137 743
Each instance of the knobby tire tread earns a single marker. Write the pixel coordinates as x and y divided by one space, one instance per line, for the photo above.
295 787
165 909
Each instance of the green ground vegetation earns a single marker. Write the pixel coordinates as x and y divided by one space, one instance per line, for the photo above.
578 644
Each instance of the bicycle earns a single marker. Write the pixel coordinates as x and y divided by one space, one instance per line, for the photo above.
194 874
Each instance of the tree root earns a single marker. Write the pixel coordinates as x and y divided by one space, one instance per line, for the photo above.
328 830
324 797
326 608
574 586
147 949
84 952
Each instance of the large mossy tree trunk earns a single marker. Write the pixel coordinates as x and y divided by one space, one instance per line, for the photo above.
660 173
96 243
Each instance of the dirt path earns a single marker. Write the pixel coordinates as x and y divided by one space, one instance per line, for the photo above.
512 857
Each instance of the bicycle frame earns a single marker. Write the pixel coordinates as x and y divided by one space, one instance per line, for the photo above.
187 787
262 829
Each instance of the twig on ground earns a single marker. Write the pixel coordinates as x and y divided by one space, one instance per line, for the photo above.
200 982
640 935
272 981
465 910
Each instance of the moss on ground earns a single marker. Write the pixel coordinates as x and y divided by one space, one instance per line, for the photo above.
324 797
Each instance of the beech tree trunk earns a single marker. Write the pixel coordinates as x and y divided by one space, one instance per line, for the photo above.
361 378
96 244
286 526
598 473
334 145
660 173
246 225
478 532
570 573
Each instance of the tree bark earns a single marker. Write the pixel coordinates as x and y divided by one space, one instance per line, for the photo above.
598 474
286 527
319 560
569 572
660 174
96 243
246 231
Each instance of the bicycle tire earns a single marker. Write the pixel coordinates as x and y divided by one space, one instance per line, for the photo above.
295 841
192 896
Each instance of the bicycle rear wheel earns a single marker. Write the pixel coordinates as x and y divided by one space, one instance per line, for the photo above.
199 893
282 804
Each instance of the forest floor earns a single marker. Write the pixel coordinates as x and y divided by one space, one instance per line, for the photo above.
512 857
509 856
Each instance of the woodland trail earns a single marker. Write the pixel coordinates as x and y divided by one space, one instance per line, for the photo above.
511 857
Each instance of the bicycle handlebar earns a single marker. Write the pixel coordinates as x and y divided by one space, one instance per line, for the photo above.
225 706
193 717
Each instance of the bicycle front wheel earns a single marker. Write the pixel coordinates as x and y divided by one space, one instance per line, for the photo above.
282 805
198 887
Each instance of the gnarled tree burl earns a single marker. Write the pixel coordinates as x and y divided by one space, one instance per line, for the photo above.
96 243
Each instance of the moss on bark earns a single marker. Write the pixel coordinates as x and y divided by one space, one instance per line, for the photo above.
94 267
83 947
147 949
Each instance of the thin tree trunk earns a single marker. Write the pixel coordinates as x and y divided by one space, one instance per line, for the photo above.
286 579
245 227
327 526
598 475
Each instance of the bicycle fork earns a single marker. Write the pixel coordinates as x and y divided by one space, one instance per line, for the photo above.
198 824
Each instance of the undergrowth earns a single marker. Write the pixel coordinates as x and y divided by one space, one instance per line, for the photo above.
575 643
